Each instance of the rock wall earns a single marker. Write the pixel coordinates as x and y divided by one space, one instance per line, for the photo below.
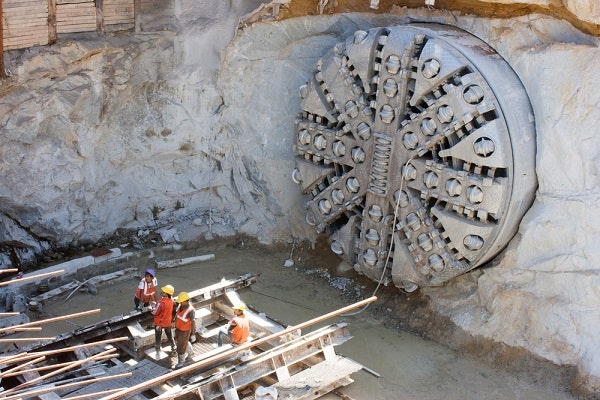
541 293
187 131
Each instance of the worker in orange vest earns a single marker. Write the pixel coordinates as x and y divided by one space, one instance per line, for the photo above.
185 327
163 318
146 290
238 328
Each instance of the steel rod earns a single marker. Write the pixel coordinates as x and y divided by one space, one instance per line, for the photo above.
31 339
18 328
25 356
19 280
46 321
58 371
52 366
37 392
9 372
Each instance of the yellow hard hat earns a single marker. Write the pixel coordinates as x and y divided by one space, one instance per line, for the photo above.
183 296
168 289
240 307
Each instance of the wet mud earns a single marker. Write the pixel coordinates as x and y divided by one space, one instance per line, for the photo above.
407 351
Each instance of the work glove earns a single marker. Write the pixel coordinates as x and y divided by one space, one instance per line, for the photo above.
193 338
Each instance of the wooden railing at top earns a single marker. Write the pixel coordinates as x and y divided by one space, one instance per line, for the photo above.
27 23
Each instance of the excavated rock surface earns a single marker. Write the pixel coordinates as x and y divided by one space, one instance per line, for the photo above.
173 136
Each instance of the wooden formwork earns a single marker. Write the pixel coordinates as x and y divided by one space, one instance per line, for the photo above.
118 12
24 23
27 23
75 16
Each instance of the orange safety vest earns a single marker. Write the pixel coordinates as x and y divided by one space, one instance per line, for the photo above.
147 291
182 322
164 312
240 333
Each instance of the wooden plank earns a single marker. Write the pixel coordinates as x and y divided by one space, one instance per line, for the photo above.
37 32
41 33
25 4
24 45
33 40
115 21
118 12
26 16
73 23
24 30
25 24
86 10
117 3
75 15
25 39
2 70
12 2
24 10
318 380
77 29
75 7
109 19
137 8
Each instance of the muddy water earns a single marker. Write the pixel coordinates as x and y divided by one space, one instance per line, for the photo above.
409 366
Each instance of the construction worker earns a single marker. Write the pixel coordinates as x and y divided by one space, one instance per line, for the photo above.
146 290
238 328
185 327
163 318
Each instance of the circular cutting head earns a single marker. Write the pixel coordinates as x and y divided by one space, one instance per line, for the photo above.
416 144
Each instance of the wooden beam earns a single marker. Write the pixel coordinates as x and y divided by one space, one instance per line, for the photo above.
99 15
2 73
234 350
52 32
137 15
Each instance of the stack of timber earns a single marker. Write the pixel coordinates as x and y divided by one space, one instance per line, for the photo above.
75 16
118 12
116 358
25 23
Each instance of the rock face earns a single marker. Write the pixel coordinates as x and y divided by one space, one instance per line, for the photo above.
170 131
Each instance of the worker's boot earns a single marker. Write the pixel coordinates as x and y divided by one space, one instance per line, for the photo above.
181 360
157 349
